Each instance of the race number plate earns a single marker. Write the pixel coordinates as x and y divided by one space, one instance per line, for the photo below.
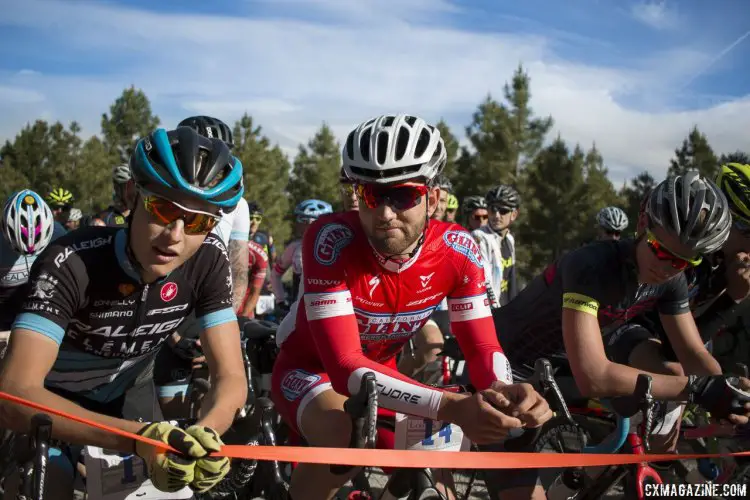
114 476
417 433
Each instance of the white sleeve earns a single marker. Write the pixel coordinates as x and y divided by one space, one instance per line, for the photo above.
241 223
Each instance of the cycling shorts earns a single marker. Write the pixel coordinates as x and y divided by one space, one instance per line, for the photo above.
172 372
294 385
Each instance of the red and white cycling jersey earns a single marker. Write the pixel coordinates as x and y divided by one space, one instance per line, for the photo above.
360 309
257 263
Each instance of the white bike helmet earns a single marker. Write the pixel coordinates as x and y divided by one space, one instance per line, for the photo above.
27 223
612 219
693 209
75 214
121 174
392 149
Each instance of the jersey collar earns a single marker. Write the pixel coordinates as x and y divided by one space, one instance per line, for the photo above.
121 242
391 265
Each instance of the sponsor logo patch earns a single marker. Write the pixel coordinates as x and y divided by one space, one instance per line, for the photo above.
331 239
296 383
168 291
463 243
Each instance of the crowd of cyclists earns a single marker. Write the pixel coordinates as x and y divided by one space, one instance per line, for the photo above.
97 307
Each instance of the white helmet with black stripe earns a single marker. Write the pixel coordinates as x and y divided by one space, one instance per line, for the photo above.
693 209
392 149
612 219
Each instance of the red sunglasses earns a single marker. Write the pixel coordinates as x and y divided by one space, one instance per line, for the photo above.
663 253
400 197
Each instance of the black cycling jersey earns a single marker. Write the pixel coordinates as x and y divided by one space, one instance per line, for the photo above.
598 279
86 295
112 217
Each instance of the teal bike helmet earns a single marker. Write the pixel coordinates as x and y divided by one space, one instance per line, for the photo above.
188 163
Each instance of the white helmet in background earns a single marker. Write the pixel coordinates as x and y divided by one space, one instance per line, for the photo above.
612 219
27 223
75 215
121 174
392 149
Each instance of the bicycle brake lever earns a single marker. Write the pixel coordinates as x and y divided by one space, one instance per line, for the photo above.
545 374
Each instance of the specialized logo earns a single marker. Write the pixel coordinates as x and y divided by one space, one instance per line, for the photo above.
168 291
331 239
426 279
463 243
374 282
296 383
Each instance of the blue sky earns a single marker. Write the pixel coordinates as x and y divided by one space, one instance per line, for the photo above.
633 76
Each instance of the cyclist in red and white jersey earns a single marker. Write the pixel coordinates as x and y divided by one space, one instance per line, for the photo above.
258 267
371 280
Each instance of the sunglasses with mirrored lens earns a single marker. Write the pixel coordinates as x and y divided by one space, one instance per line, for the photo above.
401 197
614 233
663 253
480 218
256 218
500 209
166 212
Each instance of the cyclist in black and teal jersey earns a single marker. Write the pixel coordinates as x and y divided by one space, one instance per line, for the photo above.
101 301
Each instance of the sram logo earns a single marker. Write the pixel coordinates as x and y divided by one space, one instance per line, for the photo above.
165 310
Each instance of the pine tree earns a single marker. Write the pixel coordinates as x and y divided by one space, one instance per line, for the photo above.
129 119
316 170
451 149
266 173
695 154
634 195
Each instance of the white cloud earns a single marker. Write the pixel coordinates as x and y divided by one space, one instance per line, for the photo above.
655 14
291 75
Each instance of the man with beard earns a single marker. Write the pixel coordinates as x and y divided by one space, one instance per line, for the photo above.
371 280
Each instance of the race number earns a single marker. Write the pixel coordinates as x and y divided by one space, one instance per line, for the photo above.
417 433
117 476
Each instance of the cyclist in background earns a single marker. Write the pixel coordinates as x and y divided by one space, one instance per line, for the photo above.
305 213
60 200
451 207
234 227
475 212
28 226
262 238
445 186
349 200
611 222
123 197
372 278
74 219
103 299
258 267
497 244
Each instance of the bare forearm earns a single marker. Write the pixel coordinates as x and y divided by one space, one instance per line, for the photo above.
701 363
227 395
620 380
18 418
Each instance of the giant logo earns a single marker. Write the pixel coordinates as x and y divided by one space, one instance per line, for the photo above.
331 239
463 243
297 383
